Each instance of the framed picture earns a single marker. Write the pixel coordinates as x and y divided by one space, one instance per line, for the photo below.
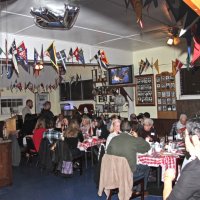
101 99
40 99
104 98
99 108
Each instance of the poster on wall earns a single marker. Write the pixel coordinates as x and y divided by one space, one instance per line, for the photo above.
40 99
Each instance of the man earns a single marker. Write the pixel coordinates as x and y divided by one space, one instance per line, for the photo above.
27 108
46 111
128 146
188 184
179 127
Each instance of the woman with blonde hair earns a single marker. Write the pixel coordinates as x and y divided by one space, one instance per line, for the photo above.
114 130
72 136
38 132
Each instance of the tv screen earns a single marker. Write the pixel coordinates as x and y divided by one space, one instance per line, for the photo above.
120 75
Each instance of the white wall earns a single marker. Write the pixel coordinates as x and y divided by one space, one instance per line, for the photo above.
165 55
48 75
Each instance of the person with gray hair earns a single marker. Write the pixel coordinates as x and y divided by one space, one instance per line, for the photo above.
179 127
125 145
147 131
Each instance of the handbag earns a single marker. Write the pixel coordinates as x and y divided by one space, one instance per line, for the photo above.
67 168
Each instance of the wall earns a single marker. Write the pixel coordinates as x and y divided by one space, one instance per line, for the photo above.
48 75
165 55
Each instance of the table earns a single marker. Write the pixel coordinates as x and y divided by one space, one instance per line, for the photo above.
90 144
163 160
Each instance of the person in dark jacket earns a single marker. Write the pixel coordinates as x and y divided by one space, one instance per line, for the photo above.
100 128
46 111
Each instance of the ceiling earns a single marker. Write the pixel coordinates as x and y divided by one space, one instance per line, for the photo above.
104 23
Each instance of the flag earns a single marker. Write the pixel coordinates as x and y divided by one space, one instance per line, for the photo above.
76 53
6 48
179 65
70 55
142 66
42 55
36 55
22 57
61 56
1 50
196 52
81 56
51 52
9 72
147 65
103 59
13 52
173 68
156 66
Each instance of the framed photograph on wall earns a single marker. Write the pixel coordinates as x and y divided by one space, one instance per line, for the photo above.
40 99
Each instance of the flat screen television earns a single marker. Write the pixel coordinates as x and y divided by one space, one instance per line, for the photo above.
120 75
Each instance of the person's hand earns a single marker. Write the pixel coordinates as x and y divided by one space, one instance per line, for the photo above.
134 134
169 174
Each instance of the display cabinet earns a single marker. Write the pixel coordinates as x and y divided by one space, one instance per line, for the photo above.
166 95
144 91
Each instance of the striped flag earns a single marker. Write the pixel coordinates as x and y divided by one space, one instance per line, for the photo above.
61 56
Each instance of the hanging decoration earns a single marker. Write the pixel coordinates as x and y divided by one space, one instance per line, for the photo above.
61 56
50 19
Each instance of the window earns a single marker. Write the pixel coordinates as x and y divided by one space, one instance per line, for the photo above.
11 106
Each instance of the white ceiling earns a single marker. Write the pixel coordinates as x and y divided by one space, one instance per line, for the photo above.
100 23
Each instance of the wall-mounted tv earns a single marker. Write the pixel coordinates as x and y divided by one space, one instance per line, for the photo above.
120 75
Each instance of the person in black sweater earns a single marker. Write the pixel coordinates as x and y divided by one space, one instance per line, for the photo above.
72 136
46 111
100 128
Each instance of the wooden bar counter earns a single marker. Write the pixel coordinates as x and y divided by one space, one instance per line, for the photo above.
5 163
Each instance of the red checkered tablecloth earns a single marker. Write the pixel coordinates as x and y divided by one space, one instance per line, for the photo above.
86 144
164 160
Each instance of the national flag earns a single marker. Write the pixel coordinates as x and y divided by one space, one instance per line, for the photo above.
147 65
196 52
22 57
1 51
61 56
173 68
13 52
70 55
51 52
142 66
9 71
179 65
36 55
81 56
6 53
42 55
103 59
157 66
76 53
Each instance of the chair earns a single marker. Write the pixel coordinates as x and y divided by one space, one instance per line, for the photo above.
30 150
117 177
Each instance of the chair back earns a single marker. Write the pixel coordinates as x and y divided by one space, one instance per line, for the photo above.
115 173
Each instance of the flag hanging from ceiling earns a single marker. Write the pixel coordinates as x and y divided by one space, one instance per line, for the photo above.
1 51
147 65
142 66
173 68
22 57
42 55
81 56
76 53
179 65
103 59
51 52
157 66
13 52
61 56
196 52
70 55
36 55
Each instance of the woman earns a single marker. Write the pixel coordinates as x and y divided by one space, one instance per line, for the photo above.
114 130
100 129
72 136
38 132
86 127
64 124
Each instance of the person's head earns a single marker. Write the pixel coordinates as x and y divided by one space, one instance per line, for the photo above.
140 118
85 120
133 118
40 123
60 117
193 126
65 121
115 126
29 103
125 126
183 119
73 129
113 117
146 115
47 105
98 122
147 124
50 123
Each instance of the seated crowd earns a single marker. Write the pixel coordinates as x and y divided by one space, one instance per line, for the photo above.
122 138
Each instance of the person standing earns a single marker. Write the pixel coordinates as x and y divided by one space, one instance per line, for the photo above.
46 111
27 108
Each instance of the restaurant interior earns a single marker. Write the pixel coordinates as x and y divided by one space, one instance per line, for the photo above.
78 75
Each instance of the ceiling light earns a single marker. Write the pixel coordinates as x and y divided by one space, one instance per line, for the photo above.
170 41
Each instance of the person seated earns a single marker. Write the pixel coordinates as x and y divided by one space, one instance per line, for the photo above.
147 131
100 129
140 118
114 130
59 120
188 184
179 127
110 120
125 145
146 115
64 124
73 135
51 133
85 127
38 132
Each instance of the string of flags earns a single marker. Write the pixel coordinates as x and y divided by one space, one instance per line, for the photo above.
18 55
145 65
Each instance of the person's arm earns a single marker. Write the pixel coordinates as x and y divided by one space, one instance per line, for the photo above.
142 145
168 178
